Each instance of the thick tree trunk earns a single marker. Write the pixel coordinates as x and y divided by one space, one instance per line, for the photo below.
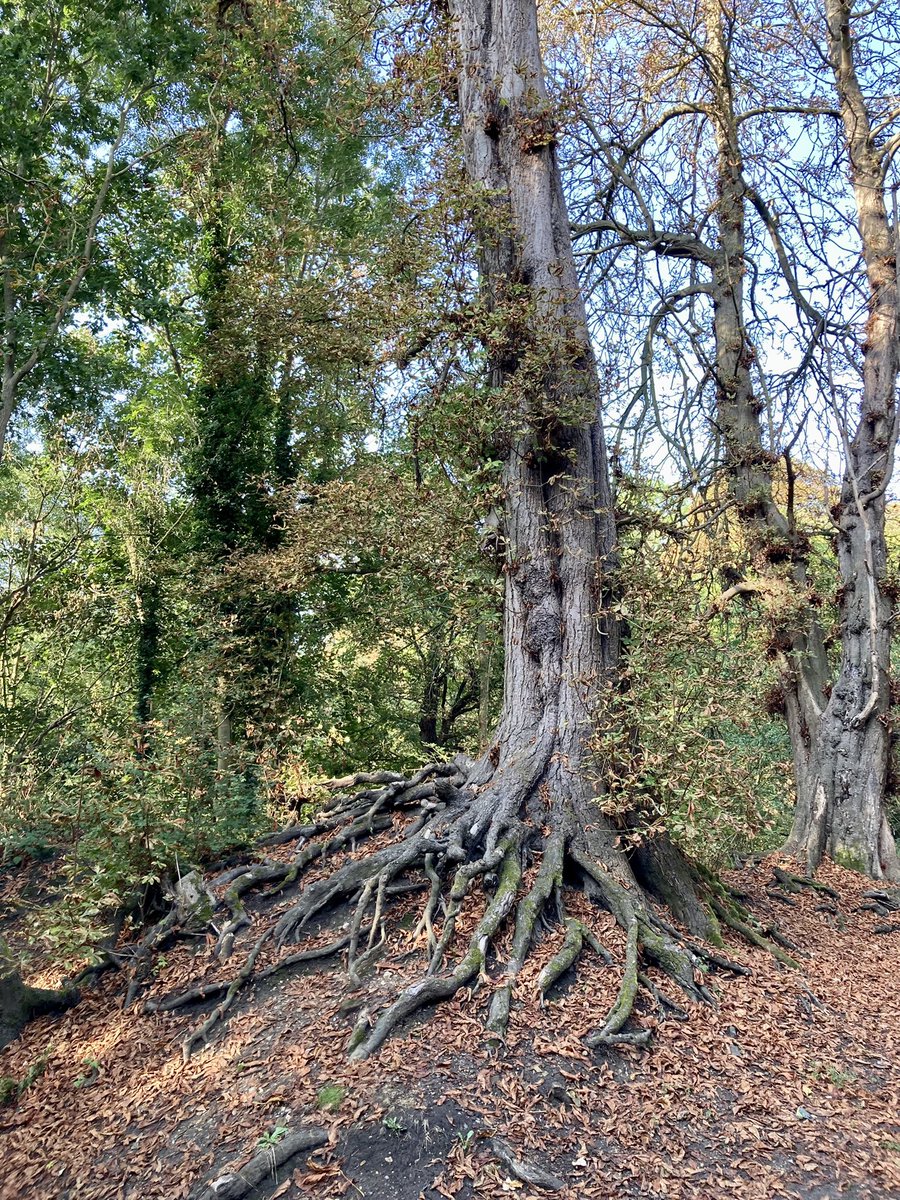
559 531
19 1003
841 802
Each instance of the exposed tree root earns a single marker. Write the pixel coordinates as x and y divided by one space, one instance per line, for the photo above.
525 1172
735 921
796 883
881 902
262 1166
457 824
780 899
548 882
577 934
209 991
666 1006
610 1033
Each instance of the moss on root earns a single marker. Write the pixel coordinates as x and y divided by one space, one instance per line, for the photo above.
453 836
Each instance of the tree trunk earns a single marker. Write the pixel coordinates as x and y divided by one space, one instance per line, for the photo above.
841 803
779 552
19 1003
560 649
148 602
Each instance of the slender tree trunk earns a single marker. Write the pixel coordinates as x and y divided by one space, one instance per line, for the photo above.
841 806
224 731
779 552
430 704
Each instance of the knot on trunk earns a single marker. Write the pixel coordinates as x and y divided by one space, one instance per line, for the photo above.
543 629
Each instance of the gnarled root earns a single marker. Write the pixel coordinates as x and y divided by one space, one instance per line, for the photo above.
457 824
796 883
623 1007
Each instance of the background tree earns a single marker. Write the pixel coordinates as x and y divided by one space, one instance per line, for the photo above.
75 139
841 801
710 321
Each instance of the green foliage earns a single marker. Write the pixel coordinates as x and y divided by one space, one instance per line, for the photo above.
87 84
331 1097
688 746
273 1137
151 698
12 1089
90 1076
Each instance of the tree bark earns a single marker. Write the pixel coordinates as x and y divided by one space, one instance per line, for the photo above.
779 551
559 529
841 800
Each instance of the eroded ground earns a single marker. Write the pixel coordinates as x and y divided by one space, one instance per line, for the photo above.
789 1088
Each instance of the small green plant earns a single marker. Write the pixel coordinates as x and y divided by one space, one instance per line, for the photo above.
12 1089
268 1140
90 1076
331 1097
840 1078
465 1139
820 1071
393 1125
34 1072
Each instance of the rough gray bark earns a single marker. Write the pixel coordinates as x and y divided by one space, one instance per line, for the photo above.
559 528
841 799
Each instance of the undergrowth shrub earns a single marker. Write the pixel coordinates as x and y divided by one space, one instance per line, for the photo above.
688 746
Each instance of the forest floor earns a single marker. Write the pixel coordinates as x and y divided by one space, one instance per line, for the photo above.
789 1087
